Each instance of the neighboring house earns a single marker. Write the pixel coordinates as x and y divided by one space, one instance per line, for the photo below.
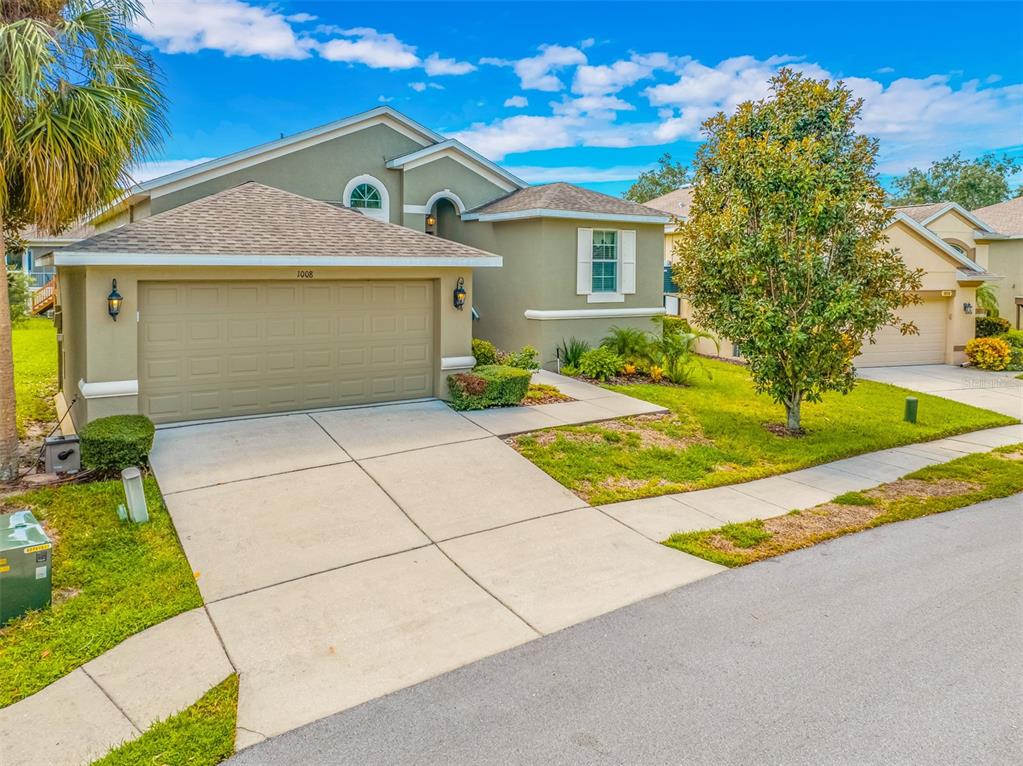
1004 241
321 269
676 204
953 267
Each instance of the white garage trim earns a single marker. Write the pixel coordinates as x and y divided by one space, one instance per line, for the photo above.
108 389
457 362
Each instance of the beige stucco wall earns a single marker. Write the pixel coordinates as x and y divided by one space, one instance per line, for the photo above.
423 181
1006 259
539 273
319 172
113 347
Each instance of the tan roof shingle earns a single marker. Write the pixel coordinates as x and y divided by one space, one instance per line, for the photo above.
257 220
676 203
921 213
564 197
1004 217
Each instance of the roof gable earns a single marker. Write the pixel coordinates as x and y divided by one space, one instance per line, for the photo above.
562 200
463 154
256 224
938 245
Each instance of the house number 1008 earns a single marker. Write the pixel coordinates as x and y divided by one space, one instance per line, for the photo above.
305 274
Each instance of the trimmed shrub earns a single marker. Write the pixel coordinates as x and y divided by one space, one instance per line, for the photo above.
119 441
600 363
493 385
988 327
989 353
1015 359
484 351
525 359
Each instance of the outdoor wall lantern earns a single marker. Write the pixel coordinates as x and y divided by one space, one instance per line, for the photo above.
967 308
114 301
431 220
460 294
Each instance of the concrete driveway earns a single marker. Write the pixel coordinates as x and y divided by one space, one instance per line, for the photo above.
346 554
998 391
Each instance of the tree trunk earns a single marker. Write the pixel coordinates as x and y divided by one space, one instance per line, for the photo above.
8 421
792 405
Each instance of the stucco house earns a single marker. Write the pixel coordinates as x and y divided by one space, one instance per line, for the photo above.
324 269
954 267
1002 236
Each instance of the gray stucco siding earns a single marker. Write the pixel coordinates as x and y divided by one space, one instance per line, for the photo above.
319 172
424 181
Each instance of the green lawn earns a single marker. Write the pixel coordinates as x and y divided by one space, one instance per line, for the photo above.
201 735
111 579
35 371
716 435
935 489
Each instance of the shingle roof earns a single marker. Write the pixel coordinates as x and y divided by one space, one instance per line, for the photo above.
564 197
921 213
676 203
1004 217
257 220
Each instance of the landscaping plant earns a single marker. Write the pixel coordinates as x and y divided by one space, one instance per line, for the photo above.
488 386
116 442
600 363
987 299
630 343
79 106
19 288
990 326
484 351
527 358
572 351
785 251
989 353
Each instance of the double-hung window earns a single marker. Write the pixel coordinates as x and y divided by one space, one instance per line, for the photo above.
605 262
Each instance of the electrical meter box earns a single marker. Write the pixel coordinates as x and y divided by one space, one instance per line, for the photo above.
26 555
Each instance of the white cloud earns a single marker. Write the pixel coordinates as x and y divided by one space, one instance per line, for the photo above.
231 26
419 87
607 79
516 102
435 65
577 174
147 170
522 133
602 106
364 45
538 72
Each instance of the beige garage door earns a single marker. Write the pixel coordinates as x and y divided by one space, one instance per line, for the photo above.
215 349
893 348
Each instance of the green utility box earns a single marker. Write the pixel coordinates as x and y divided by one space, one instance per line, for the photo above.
25 565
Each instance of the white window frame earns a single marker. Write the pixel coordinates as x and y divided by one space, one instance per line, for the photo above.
625 265
383 213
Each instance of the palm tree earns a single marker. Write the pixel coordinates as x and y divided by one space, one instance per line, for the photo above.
79 105
987 299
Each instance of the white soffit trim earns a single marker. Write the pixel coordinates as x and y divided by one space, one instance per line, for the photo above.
962 211
108 389
170 259
457 362
543 314
514 215
455 149
938 242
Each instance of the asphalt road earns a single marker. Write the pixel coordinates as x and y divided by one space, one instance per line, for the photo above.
901 645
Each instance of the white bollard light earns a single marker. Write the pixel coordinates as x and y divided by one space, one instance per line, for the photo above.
135 494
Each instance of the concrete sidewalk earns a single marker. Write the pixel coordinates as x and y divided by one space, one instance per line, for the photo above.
117 696
656 518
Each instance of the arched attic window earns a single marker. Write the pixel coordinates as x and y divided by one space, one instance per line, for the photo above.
369 196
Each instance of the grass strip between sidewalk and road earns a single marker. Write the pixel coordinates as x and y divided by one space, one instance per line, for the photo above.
111 579
200 735
935 489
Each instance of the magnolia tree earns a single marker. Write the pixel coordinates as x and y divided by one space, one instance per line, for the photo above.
784 252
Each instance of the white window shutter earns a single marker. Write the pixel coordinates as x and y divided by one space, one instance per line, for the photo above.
628 247
584 263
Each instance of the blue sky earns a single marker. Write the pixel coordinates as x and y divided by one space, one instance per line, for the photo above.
590 93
